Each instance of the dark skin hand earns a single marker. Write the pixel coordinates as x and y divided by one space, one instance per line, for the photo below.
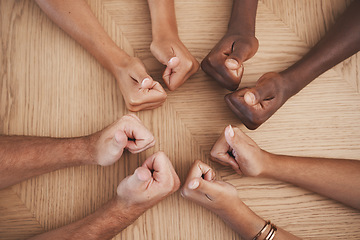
224 62
255 105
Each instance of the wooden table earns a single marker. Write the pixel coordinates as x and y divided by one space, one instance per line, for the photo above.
50 86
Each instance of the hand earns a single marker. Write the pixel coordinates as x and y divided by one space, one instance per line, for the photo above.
237 150
128 132
221 198
180 64
201 187
225 61
150 183
139 90
255 105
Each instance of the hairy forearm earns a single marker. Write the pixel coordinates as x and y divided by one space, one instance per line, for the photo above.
77 19
341 42
334 178
243 17
163 18
24 157
105 223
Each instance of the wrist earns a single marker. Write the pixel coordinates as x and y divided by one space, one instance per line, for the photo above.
246 223
295 79
270 163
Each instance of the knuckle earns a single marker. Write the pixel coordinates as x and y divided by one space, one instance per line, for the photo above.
185 192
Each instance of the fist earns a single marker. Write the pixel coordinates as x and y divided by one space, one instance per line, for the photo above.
254 106
150 183
180 64
225 61
139 90
126 133
235 149
202 188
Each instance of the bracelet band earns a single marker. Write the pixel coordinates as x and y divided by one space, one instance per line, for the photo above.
262 230
272 232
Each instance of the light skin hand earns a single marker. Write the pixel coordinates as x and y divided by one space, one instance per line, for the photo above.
254 106
150 183
180 64
222 199
77 20
167 47
235 149
126 133
139 90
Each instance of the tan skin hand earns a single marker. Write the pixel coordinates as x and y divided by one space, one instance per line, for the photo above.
126 133
221 198
225 61
150 183
179 62
254 106
235 149
139 94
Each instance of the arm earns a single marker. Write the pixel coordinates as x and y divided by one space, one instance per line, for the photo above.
255 105
222 199
135 194
338 179
225 61
167 46
24 157
77 19
105 223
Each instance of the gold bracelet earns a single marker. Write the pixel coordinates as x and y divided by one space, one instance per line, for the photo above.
262 230
271 234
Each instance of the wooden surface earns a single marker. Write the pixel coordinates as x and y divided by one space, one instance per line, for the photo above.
50 86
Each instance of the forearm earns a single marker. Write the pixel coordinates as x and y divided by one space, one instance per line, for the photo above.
105 223
77 19
25 157
163 19
247 224
341 42
243 17
334 178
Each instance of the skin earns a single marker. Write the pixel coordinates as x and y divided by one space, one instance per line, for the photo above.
334 178
153 181
167 47
139 90
24 157
255 105
202 188
224 63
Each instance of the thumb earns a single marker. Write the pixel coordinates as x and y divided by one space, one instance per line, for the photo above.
205 187
232 140
140 179
118 143
236 58
258 94
140 75
171 64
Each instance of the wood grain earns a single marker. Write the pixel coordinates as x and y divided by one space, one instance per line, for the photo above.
50 86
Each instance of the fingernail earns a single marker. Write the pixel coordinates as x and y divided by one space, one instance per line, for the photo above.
231 131
232 64
145 81
249 98
194 184
171 60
